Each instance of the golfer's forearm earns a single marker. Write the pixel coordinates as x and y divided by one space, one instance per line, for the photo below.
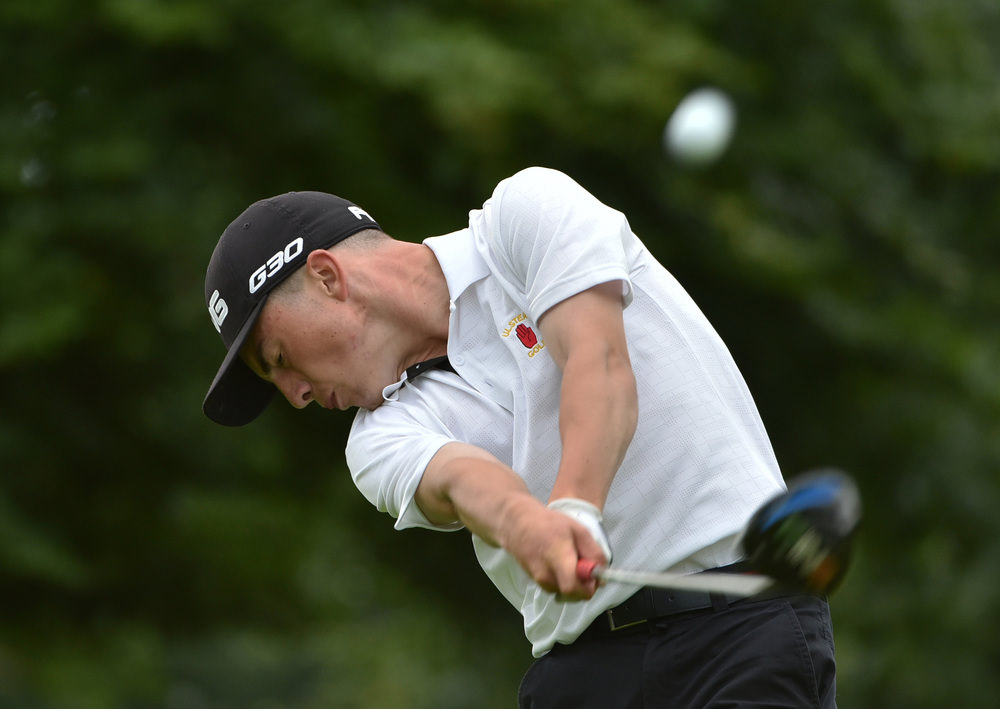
597 419
466 484
585 336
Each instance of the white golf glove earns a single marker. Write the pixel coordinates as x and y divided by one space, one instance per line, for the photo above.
589 516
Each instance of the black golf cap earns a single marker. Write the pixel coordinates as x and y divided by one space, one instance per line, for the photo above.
262 247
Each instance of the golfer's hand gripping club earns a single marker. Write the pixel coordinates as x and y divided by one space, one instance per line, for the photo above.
589 516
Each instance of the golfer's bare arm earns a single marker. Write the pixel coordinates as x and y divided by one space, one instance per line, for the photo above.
598 408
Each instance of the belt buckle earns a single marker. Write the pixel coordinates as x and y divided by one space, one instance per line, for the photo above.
613 626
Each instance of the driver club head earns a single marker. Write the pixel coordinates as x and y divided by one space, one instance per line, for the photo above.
803 537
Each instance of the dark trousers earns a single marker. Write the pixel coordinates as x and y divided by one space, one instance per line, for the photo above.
776 652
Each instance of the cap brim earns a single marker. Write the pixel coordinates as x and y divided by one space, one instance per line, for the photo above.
237 395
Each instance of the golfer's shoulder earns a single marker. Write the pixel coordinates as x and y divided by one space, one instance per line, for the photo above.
534 182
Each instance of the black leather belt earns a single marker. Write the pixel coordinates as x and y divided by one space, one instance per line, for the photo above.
656 603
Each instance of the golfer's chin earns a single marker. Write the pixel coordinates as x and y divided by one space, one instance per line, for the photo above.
372 406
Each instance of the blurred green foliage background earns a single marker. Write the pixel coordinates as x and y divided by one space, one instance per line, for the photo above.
845 247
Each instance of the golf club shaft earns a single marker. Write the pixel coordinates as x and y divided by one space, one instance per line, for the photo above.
730 584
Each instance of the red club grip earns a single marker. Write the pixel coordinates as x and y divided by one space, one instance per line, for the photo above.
585 569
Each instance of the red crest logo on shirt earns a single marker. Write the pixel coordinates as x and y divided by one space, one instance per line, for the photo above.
526 335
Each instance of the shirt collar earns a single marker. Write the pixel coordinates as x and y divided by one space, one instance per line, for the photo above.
460 260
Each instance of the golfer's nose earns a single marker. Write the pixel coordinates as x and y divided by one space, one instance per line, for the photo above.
294 388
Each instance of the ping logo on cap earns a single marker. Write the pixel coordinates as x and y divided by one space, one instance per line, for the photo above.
274 264
217 310
358 212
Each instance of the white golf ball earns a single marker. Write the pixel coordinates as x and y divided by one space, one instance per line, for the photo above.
701 126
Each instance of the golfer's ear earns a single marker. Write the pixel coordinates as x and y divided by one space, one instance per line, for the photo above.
328 272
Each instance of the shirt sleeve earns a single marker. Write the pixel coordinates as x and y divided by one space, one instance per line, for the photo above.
389 447
549 239
387 452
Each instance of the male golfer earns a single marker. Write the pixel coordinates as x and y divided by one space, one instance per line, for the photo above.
540 379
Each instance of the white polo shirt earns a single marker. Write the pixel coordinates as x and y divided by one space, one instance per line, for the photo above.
700 462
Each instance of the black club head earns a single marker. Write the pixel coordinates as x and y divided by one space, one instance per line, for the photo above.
803 537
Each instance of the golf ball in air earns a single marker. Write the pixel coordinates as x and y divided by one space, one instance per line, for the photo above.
701 126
